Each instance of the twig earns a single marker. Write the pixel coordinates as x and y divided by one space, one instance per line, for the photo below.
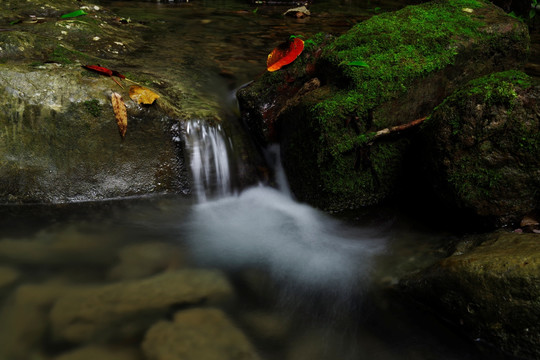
397 128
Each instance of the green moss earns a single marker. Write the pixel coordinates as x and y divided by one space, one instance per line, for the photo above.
398 48
65 55
93 107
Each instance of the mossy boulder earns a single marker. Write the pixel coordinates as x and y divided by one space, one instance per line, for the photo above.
483 147
490 291
386 71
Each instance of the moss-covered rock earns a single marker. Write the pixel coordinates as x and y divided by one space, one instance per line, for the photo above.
483 145
389 70
491 292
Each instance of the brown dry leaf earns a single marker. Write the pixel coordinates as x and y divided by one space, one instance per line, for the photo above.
142 95
120 112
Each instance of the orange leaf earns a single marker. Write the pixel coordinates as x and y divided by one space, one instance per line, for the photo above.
120 112
284 54
142 95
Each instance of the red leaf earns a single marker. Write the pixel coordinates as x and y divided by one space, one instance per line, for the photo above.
99 69
284 54
116 73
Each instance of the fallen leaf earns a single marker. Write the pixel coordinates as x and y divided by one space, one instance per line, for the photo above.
119 108
142 95
294 12
75 13
104 71
99 69
284 54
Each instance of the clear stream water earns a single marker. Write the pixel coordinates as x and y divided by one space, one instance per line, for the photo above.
327 277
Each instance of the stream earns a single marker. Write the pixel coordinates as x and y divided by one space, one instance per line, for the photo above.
307 285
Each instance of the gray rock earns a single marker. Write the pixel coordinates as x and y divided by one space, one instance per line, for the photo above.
197 334
491 292
124 309
60 141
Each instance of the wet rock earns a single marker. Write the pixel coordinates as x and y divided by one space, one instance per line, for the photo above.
8 276
483 148
94 352
78 154
141 260
24 324
368 83
491 292
197 334
125 309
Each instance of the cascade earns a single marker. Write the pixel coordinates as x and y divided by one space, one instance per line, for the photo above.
208 149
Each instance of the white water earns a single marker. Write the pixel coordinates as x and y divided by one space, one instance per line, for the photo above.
265 228
208 151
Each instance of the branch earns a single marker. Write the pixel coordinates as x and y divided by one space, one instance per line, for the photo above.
397 128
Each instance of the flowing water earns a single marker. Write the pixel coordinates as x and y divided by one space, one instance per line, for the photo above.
308 285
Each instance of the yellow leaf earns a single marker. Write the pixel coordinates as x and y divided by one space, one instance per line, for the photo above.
120 112
142 95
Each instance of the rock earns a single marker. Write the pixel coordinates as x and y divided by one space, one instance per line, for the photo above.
24 324
8 276
325 134
79 154
125 309
491 292
267 326
145 259
483 148
93 352
197 334
67 248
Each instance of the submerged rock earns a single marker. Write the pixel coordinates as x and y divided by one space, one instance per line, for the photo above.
483 146
124 309
24 324
389 70
146 259
8 276
197 334
491 291
94 352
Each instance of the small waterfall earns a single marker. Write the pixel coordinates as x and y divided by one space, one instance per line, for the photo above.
208 149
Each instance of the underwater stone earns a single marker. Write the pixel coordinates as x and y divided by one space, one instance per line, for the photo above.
125 309
195 334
